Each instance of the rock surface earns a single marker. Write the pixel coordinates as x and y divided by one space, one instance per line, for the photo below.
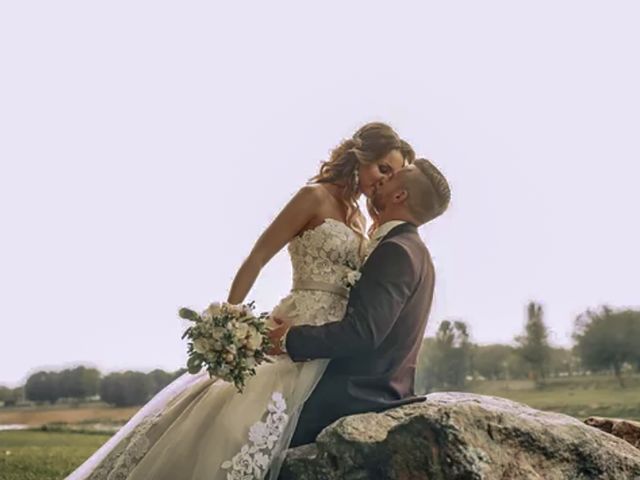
625 429
462 436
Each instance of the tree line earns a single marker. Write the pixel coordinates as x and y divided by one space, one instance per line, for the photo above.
81 383
604 340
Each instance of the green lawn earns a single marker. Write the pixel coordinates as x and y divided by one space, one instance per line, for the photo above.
33 455
581 397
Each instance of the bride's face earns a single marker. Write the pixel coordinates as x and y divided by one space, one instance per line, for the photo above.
383 169
390 191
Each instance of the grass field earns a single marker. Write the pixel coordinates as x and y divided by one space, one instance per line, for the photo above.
83 414
581 397
32 455
39 455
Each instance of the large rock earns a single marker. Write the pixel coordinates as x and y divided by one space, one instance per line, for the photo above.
461 436
625 429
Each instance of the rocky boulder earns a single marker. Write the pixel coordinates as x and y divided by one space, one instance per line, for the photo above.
462 436
625 429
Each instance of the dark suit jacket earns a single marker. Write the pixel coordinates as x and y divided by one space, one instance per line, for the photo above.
374 349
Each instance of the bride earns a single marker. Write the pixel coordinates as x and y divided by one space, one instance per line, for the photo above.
200 428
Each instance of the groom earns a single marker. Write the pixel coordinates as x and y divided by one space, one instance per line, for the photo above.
374 349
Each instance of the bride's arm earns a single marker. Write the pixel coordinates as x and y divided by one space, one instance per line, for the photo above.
290 222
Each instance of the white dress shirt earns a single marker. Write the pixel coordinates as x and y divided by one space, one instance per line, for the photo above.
380 232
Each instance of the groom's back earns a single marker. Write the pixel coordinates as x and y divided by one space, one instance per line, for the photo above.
383 377
386 375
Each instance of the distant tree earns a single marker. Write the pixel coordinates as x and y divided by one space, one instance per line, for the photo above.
80 382
121 389
178 373
423 375
606 339
445 361
125 389
533 344
492 361
5 393
516 366
562 361
10 396
43 387
157 380
17 395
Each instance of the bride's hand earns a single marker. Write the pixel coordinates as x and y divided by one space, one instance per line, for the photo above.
275 335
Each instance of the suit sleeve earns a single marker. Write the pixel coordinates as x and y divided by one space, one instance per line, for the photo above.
388 279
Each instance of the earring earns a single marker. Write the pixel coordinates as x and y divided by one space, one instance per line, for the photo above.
356 179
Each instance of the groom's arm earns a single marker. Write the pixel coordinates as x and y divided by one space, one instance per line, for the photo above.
388 279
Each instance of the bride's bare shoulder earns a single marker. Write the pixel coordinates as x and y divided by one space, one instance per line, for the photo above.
316 191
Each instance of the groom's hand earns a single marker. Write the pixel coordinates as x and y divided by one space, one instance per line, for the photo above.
275 335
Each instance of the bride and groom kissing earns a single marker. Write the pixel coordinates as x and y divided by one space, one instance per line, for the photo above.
339 348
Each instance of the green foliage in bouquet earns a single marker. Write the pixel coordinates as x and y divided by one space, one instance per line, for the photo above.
229 341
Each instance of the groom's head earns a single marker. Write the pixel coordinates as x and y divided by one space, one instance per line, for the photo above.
416 193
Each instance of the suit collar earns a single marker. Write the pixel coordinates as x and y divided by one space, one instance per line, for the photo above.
402 228
385 228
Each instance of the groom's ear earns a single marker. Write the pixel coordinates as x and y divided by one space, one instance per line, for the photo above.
400 196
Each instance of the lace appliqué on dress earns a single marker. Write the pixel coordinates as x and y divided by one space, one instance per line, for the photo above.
321 254
120 463
253 459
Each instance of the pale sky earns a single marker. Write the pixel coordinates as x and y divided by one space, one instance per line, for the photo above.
145 145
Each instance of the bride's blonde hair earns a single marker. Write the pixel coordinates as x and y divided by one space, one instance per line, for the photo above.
368 145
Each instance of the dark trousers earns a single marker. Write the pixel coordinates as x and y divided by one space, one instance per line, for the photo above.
308 428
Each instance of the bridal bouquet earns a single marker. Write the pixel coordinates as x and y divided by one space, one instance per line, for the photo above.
228 340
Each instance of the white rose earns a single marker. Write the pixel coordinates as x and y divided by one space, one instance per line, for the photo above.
241 331
217 333
215 309
234 310
200 345
353 276
255 339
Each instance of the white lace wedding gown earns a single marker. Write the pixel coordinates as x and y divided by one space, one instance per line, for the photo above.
199 428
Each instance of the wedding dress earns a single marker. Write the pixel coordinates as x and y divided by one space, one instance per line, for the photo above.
200 428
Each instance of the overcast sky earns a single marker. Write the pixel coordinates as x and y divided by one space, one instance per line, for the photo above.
145 145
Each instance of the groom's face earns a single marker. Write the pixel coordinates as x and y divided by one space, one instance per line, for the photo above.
387 190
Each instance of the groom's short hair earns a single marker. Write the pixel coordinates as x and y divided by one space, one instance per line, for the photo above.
429 192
